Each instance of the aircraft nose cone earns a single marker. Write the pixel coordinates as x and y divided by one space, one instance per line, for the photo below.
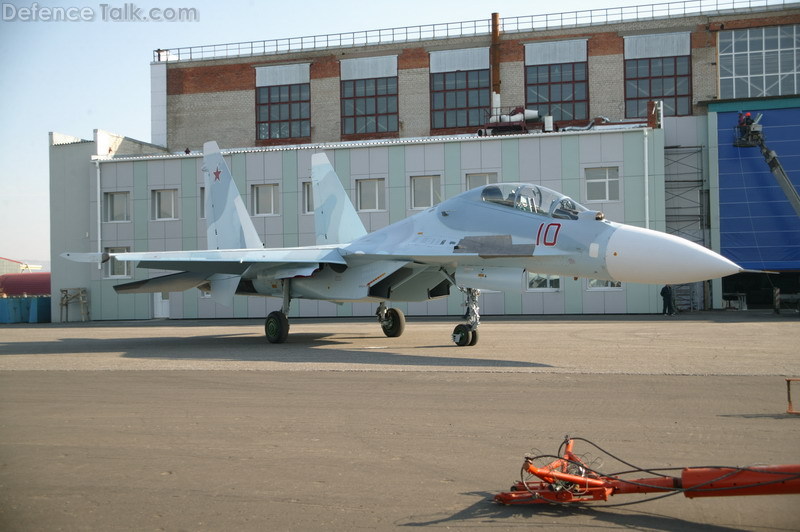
638 255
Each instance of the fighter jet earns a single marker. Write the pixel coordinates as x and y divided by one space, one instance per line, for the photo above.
481 239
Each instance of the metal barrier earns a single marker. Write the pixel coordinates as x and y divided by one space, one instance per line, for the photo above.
592 17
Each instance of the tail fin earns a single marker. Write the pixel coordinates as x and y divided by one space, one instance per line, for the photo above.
335 219
229 224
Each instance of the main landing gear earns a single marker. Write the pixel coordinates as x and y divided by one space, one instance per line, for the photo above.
276 326
392 320
467 333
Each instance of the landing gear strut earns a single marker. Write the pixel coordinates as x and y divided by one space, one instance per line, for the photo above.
392 320
276 326
467 333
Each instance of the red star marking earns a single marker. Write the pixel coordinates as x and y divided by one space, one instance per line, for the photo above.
216 174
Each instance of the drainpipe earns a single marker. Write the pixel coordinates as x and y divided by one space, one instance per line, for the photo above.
99 215
646 185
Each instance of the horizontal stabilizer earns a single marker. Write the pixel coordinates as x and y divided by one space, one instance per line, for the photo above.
232 261
176 282
86 257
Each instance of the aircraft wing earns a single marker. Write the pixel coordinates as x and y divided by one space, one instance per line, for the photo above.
221 270
231 260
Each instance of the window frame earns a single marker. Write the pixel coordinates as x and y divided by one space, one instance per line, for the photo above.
635 95
361 99
112 264
736 53
545 107
601 285
434 189
380 194
156 204
307 197
457 87
487 181
606 180
550 280
109 203
283 106
274 199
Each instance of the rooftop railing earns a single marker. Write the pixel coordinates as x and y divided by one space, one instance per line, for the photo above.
426 32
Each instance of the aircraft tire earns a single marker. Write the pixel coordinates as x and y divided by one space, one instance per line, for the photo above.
276 327
395 323
474 339
462 335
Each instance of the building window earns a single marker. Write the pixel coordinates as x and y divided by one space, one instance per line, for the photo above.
114 267
759 62
283 111
478 180
369 105
543 282
308 197
459 99
266 200
202 210
164 204
602 184
668 79
116 207
425 191
371 194
600 284
560 90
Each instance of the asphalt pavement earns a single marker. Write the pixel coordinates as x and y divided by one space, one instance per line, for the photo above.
203 425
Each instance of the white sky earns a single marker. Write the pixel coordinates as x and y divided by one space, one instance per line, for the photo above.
74 77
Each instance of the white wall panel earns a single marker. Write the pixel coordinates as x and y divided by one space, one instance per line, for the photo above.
369 67
465 59
546 53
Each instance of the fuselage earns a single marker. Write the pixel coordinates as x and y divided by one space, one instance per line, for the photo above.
487 237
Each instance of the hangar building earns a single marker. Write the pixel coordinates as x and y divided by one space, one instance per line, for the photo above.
399 110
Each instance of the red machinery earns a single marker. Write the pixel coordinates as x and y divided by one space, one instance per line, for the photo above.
569 479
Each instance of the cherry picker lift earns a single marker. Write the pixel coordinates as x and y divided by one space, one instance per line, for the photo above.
750 134
570 478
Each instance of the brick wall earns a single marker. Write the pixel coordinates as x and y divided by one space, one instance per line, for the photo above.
606 90
227 117
215 99
325 103
413 102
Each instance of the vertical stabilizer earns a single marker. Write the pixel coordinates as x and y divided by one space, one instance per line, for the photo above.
229 224
335 219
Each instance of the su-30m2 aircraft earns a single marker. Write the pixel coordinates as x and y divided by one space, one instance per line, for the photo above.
482 239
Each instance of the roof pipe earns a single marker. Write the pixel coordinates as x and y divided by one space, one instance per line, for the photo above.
494 54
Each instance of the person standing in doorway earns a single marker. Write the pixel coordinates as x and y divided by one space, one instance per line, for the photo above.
666 295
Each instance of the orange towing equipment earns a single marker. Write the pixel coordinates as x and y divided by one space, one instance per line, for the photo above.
568 478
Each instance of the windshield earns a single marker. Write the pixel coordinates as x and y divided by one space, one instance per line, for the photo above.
533 199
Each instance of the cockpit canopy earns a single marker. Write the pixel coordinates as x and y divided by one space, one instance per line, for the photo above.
533 199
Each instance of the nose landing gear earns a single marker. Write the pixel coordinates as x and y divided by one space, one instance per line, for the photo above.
467 333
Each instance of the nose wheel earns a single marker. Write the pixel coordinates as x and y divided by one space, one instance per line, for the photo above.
464 335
